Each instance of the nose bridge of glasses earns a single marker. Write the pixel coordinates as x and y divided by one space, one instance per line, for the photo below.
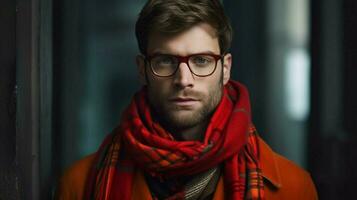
183 71
185 68
182 59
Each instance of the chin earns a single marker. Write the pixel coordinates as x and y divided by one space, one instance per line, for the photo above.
184 119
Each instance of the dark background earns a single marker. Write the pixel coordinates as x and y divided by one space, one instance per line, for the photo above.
67 71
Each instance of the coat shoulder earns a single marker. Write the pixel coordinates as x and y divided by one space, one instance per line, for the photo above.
295 180
72 183
284 178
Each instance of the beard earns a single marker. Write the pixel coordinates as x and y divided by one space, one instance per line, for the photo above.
173 118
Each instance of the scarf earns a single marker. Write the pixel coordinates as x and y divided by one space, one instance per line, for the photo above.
141 143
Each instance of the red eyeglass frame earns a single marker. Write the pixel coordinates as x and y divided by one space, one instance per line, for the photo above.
184 59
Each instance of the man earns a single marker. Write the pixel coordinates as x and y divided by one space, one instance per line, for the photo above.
187 134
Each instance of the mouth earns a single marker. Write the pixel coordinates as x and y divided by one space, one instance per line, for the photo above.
184 101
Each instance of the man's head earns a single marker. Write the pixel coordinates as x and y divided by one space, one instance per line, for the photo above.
170 34
175 16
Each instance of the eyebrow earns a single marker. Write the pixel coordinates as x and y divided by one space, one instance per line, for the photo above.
169 53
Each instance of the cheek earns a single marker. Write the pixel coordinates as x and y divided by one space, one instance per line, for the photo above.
216 85
216 80
158 90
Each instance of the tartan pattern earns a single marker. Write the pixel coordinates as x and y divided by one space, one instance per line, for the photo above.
141 143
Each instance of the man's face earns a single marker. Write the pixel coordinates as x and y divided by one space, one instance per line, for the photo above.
185 100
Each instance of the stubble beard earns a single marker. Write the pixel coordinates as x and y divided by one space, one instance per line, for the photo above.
173 118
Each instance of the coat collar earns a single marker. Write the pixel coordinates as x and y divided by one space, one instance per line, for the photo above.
269 164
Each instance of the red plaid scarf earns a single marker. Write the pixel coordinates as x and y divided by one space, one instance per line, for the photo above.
140 143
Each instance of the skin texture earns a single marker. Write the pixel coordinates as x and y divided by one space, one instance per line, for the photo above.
184 103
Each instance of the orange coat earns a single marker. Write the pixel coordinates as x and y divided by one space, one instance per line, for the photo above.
282 180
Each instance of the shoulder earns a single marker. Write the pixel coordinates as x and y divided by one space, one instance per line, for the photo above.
72 183
284 178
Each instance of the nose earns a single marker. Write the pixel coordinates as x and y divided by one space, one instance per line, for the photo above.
183 77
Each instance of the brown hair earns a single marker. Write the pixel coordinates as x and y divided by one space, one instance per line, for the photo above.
176 16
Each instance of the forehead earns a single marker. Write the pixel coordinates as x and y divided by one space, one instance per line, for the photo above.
197 39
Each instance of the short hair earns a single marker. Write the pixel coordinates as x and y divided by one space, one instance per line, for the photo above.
176 16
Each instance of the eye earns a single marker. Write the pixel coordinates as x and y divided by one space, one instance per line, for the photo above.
164 60
202 60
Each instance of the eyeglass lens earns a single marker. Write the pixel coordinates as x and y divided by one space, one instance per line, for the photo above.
166 65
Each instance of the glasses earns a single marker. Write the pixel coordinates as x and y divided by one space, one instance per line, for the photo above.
165 65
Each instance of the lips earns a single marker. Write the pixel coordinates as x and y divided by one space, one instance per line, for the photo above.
183 101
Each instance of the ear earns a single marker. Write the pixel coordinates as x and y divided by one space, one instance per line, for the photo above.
227 68
140 63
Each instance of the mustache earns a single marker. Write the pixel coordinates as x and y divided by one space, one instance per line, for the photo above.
189 93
